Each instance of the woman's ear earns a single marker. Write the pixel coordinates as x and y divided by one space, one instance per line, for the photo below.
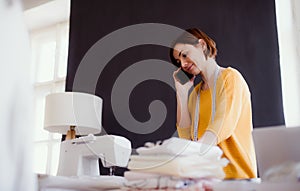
202 44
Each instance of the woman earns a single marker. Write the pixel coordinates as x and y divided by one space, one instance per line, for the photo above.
218 110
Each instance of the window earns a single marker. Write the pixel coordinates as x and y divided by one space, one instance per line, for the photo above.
49 63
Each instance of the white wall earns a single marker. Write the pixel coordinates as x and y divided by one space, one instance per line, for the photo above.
47 14
288 23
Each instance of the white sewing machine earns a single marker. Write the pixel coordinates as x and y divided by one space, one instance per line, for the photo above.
81 156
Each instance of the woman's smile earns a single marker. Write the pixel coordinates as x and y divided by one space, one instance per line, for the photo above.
190 68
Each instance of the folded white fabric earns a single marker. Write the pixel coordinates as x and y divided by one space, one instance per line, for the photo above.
134 175
180 158
151 181
193 166
160 182
176 146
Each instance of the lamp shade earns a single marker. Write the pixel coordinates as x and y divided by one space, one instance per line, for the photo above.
82 110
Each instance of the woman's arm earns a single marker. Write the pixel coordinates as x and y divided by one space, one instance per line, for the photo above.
183 115
182 96
208 138
229 102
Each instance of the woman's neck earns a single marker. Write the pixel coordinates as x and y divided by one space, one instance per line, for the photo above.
209 73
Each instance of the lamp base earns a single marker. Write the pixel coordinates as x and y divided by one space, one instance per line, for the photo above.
71 134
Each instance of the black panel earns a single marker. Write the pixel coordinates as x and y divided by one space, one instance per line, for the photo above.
246 36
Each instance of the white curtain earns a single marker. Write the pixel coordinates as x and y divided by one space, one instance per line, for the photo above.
288 26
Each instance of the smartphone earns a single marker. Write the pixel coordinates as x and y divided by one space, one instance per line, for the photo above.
183 76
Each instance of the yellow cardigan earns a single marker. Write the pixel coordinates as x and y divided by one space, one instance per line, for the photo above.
232 124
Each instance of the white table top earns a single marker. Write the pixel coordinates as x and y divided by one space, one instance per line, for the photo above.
114 183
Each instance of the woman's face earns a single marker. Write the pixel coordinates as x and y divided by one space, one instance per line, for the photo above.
190 57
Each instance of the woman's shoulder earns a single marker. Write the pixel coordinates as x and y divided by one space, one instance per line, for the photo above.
231 73
233 76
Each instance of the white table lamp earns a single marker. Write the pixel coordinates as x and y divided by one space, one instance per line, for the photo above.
73 111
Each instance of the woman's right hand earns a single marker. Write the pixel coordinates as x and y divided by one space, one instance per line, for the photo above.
182 89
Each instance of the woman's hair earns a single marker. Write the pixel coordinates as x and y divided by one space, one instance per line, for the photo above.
192 36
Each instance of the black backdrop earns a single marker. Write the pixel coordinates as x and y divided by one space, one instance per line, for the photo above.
246 36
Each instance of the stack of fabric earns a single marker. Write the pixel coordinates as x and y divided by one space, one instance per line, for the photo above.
175 164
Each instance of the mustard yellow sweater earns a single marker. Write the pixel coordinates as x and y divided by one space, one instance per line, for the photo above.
232 124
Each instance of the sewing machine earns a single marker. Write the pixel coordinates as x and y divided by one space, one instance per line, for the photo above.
80 156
